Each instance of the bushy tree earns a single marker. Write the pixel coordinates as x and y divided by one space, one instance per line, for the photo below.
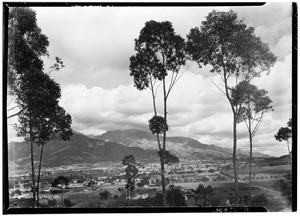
52 202
203 194
234 52
260 200
131 173
175 197
104 195
284 134
159 52
60 182
68 203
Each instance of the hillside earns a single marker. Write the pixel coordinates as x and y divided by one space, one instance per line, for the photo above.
180 146
80 149
113 146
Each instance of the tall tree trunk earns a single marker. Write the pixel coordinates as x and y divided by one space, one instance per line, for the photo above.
250 162
160 150
39 176
32 163
164 147
234 159
288 146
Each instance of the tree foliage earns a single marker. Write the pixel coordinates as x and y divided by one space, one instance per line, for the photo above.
104 195
26 45
175 197
283 134
60 181
157 125
131 172
159 50
253 103
234 51
226 43
203 194
168 157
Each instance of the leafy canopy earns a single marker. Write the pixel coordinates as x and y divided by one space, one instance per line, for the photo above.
226 43
26 45
254 102
59 181
159 50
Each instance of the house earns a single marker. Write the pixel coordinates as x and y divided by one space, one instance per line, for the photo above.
140 196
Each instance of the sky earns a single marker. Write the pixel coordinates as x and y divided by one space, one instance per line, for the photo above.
95 44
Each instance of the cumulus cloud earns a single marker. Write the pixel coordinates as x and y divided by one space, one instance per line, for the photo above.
96 44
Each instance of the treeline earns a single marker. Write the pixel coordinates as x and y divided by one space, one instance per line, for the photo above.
222 41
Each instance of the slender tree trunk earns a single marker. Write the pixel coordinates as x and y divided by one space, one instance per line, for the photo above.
250 162
234 112
164 148
39 176
32 163
62 197
288 146
161 151
234 160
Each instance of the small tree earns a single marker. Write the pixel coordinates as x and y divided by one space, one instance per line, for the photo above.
68 203
203 194
285 133
159 51
175 197
60 182
131 173
253 104
104 195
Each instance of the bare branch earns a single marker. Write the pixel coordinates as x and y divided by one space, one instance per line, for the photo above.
258 124
11 100
217 86
13 115
13 108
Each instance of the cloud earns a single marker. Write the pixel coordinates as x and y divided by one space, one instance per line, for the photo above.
96 44
272 20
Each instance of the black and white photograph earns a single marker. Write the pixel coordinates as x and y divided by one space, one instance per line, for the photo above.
149 107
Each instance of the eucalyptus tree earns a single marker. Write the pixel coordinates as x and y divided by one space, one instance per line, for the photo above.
234 52
254 103
131 173
285 133
35 94
26 46
159 52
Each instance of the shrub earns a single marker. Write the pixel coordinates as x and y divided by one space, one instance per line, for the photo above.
68 202
52 202
259 200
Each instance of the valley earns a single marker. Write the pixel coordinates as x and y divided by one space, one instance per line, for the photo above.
94 164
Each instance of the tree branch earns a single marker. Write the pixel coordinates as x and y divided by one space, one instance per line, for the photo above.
257 125
217 86
13 108
13 115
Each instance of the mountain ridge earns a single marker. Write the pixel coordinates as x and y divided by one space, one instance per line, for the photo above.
113 146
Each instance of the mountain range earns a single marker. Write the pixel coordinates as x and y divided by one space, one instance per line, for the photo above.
113 146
